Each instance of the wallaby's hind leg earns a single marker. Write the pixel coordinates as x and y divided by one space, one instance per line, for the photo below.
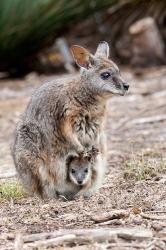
29 165
28 150
29 173
27 169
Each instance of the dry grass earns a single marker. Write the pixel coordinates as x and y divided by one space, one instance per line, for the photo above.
142 168
11 190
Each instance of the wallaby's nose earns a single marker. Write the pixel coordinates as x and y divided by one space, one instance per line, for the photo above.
79 182
126 86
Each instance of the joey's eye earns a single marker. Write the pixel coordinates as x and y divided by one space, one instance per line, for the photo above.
86 170
73 171
105 75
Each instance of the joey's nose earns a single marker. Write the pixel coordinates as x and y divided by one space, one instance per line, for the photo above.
79 182
125 86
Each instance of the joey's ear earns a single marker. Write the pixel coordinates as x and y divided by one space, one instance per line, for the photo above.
70 158
102 49
82 56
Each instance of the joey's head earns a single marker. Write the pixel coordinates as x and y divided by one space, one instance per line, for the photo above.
101 74
79 170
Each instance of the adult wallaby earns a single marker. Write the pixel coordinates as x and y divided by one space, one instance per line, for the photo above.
63 117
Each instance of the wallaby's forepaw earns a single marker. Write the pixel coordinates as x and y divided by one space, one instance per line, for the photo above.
84 153
89 153
95 150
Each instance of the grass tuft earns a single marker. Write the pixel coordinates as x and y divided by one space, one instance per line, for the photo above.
142 168
11 190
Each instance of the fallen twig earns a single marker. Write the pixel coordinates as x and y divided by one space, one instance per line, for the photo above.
40 236
153 216
111 222
54 242
115 214
159 94
81 236
151 119
157 212
18 243
125 245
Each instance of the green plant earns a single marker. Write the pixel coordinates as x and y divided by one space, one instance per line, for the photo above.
12 189
142 168
26 26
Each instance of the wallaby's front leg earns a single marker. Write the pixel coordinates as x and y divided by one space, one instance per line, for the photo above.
70 135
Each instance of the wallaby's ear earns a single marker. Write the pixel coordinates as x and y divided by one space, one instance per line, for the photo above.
102 49
81 56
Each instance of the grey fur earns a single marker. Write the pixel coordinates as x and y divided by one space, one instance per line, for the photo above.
63 117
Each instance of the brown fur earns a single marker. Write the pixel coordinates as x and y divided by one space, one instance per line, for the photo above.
64 117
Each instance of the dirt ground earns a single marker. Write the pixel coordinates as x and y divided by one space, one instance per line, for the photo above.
136 178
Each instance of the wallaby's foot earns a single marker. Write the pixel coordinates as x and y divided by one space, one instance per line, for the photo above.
88 151
66 196
87 194
62 198
95 150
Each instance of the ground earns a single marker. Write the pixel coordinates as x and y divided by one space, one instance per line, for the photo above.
136 176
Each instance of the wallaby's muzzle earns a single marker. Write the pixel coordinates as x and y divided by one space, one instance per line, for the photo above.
80 182
118 85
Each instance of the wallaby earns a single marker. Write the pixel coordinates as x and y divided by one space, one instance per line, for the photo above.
82 174
63 117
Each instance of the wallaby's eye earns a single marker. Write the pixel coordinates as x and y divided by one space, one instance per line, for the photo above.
73 171
86 170
105 75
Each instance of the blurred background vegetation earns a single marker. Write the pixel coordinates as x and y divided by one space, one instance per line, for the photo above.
29 27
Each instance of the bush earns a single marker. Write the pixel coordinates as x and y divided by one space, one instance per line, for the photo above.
26 26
